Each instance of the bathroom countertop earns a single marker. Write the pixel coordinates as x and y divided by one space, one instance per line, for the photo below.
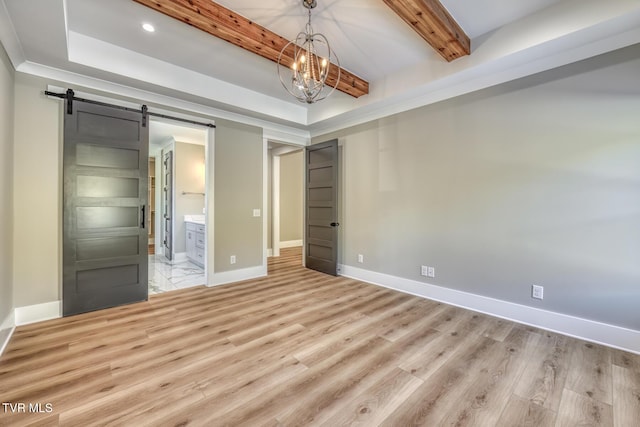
196 219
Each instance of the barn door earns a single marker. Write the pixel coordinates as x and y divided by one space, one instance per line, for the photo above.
105 241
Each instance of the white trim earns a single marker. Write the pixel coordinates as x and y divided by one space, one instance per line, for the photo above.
209 200
38 312
294 135
585 329
269 252
265 199
118 60
301 139
275 205
291 243
7 327
238 275
179 256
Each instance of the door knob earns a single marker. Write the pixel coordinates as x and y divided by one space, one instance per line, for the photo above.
334 224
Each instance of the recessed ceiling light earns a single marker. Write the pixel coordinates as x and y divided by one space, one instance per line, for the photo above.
148 27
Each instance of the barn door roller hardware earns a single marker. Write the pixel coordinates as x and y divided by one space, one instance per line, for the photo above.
69 95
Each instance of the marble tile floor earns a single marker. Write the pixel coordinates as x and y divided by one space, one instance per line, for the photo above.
165 275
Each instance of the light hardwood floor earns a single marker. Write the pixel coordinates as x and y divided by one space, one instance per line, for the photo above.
302 348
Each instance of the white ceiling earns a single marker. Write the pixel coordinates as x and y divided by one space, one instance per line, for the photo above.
100 45
161 133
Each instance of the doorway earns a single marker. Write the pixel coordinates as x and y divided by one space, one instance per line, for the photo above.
179 153
285 199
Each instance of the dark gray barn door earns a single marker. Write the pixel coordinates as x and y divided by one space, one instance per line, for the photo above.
167 203
105 195
321 231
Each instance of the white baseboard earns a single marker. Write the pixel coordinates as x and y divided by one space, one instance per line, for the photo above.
38 312
179 257
589 330
7 327
290 244
238 275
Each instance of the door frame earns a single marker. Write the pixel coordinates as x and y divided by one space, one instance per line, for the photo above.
275 195
209 155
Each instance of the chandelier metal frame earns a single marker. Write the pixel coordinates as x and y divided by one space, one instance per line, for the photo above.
306 79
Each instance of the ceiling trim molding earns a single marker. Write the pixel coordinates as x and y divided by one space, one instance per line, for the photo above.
107 57
171 104
517 65
431 20
227 25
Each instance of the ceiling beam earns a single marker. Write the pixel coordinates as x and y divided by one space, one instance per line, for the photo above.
430 19
224 23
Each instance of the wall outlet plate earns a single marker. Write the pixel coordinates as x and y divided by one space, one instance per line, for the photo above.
360 258
537 292
232 259
424 271
431 272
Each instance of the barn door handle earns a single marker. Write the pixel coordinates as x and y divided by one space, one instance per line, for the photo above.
334 224
143 219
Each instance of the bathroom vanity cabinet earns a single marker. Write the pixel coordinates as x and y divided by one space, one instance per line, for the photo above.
196 232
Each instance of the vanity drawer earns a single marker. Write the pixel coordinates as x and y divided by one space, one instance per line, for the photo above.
199 228
200 255
200 240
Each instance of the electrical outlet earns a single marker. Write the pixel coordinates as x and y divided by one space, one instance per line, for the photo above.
537 292
360 258
431 272
232 260
424 271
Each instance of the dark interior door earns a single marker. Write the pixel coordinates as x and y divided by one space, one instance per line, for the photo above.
167 203
105 247
321 230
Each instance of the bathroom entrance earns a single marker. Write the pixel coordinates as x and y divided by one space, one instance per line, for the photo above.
178 153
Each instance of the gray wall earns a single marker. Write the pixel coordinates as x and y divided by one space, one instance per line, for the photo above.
6 188
238 190
536 181
189 170
37 175
291 196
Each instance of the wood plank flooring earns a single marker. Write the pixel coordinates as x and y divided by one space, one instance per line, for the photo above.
302 348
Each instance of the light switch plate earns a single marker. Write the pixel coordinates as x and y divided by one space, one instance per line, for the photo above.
256 212
424 271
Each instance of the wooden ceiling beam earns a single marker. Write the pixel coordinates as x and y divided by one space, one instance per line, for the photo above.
431 20
224 23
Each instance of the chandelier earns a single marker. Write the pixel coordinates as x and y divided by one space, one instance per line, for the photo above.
312 63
